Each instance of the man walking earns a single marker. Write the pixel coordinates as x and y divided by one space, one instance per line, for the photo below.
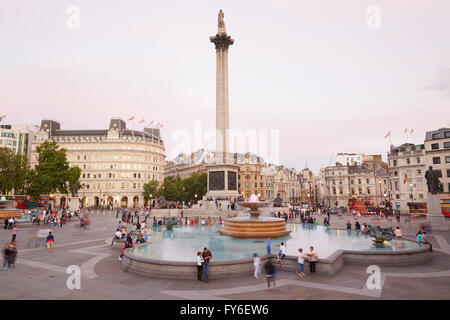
50 242
207 256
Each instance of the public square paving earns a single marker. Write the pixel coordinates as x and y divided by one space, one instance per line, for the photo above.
41 275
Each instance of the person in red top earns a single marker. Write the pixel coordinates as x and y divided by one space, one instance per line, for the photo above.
207 256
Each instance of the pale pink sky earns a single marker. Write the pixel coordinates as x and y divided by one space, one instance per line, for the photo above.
311 69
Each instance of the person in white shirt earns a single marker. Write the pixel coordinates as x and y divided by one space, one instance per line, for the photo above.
301 262
257 265
117 236
203 222
282 254
398 232
199 265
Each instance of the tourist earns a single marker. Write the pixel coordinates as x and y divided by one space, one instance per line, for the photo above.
426 241
398 232
6 224
50 242
207 256
281 254
270 274
145 236
357 226
129 241
301 262
7 257
419 236
268 245
13 253
349 225
14 233
10 223
199 265
203 222
312 255
256 265
364 227
315 221
117 236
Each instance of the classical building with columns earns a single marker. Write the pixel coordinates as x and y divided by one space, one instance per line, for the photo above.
115 163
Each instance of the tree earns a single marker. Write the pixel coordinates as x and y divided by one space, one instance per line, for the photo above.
13 171
52 173
172 189
150 189
196 184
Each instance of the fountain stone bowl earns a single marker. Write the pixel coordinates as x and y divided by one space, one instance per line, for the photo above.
254 206
254 226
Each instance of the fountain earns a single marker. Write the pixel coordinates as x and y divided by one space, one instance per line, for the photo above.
8 209
255 226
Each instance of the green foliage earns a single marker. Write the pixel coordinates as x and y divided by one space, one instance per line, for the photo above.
177 189
13 171
150 188
52 173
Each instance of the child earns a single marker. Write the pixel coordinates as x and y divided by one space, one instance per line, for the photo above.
281 254
301 262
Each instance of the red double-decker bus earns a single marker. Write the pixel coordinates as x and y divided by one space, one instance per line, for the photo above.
445 206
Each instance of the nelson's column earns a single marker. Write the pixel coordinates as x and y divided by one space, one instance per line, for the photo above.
222 171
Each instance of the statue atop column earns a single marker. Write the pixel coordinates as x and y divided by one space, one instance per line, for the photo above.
221 23
432 180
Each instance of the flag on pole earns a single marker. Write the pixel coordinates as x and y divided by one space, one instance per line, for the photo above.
388 134
412 130
157 124
161 126
132 118
406 130
2 117
150 124
142 121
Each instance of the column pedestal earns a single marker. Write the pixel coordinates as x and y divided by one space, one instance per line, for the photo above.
74 203
434 216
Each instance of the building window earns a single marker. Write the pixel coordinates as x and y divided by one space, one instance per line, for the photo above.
419 171
367 181
368 190
434 146
359 181
418 160
436 135
408 161
448 173
447 144
436 160
351 181
447 159
395 162
447 134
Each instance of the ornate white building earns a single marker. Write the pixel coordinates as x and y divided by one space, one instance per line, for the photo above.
115 162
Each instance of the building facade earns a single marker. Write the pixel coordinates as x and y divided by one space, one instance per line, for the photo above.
115 163
358 182
185 165
250 178
437 155
18 138
407 167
